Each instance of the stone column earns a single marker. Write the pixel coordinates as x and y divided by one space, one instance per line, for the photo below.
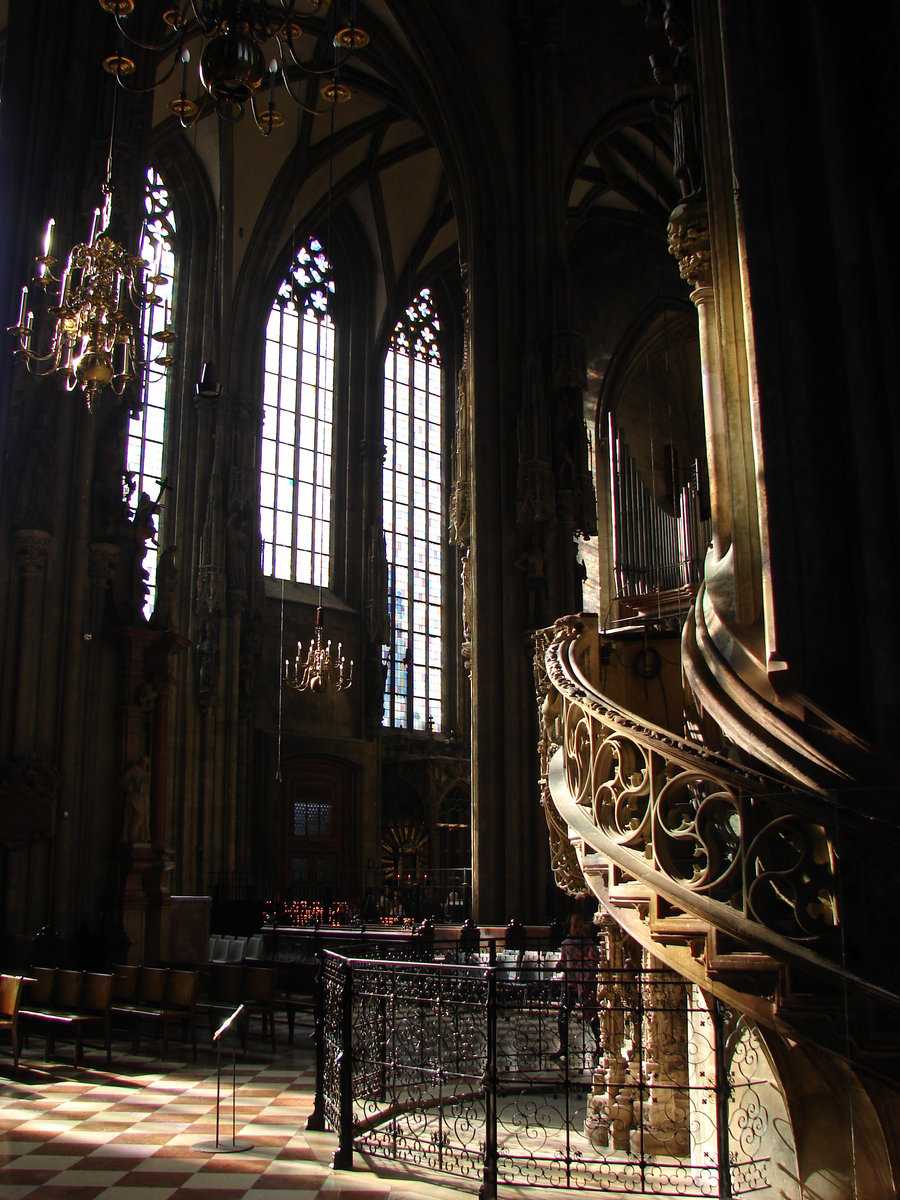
31 551
688 236
663 1117
610 1121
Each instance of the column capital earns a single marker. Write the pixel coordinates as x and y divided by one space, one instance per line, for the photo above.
31 549
688 240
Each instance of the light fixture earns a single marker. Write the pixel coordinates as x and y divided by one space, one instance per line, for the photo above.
320 671
249 50
93 309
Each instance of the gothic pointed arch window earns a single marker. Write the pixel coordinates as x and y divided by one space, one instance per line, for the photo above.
147 427
413 493
296 463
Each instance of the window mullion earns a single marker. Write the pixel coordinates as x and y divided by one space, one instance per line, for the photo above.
318 544
411 542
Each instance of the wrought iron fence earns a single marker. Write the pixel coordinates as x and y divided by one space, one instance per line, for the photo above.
499 1066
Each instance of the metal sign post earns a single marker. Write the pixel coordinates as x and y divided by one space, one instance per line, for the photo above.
234 1146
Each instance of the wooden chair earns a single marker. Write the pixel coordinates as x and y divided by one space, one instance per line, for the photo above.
10 992
160 996
258 995
69 1003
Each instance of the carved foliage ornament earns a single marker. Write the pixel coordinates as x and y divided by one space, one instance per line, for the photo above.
688 241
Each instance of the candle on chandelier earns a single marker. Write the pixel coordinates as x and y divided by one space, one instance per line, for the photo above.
48 237
23 303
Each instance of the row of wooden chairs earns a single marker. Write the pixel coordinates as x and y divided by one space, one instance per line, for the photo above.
70 1003
161 996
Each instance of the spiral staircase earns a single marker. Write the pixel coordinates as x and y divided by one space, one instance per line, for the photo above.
757 886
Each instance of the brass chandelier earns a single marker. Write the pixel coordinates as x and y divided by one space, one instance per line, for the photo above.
250 49
321 670
93 308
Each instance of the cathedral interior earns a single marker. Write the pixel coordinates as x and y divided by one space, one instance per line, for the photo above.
449 482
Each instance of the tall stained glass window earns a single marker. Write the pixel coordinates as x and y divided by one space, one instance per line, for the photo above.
146 457
295 485
413 521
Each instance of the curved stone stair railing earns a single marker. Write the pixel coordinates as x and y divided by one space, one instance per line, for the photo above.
724 873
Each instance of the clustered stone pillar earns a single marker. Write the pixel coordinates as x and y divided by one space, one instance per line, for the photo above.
663 1117
639 1099
610 1115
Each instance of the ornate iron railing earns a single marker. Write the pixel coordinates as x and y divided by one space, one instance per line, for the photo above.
508 1070
722 843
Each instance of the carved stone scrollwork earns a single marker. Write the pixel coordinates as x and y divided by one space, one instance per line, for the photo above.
563 859
688 241
697 832
136 794
789 878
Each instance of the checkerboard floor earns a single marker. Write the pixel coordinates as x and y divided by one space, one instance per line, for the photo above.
130 1132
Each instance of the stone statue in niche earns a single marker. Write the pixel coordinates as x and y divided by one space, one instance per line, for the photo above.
460 519
110 500
237 543
136 788
143 530
251 644
531 562
164 615
206 662
465 575
378 618
677 71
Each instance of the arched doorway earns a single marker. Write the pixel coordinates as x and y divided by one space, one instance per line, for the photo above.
319 859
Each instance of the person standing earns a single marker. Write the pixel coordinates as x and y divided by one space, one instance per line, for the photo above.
579 962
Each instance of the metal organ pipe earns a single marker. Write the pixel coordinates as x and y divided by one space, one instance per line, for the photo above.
653 550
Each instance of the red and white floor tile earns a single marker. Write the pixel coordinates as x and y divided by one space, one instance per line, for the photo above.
130 1132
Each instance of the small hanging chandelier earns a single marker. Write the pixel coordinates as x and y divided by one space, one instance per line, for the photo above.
320 671
95 303
249 49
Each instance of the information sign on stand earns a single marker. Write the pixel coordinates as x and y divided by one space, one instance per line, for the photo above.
234 1146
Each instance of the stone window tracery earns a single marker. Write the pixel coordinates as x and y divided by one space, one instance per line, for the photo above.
296 465
413 519
147 427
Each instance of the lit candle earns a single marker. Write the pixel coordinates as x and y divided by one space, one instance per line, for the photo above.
95 221
23 302
48 237
29 321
